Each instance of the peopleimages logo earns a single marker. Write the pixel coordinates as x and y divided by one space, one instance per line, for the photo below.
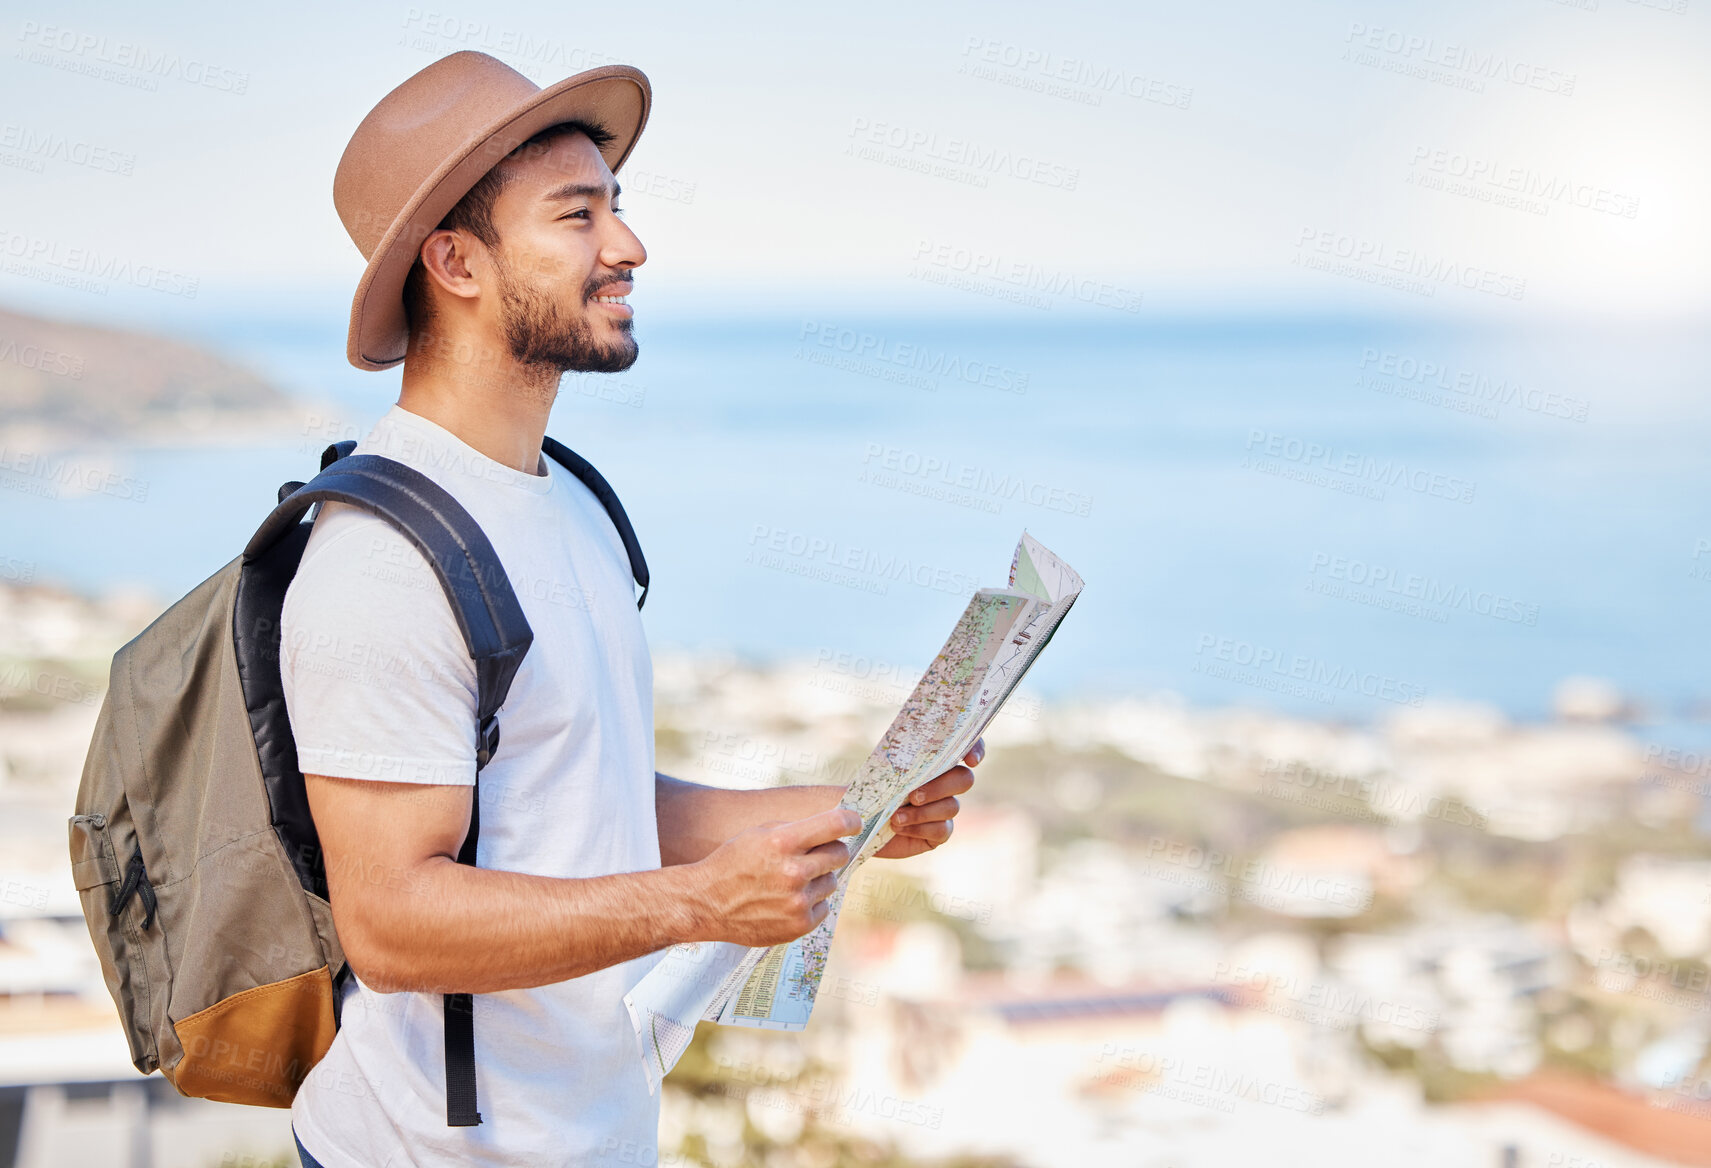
975 160
1383 580
1325 1002
1447 63
1382 799
1027 277
87 268
896 355
1408 269
1404 370
1353 468
1056 75
1203 1084
1255 664
529 52
86 53
28 356
1524 182
866 569
45 475
39 145
884 465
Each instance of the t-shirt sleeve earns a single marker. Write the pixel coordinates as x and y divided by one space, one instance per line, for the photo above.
377 678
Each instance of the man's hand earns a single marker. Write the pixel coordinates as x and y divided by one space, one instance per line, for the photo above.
768 884
924 820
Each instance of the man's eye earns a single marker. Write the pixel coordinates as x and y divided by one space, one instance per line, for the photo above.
617 211
583 211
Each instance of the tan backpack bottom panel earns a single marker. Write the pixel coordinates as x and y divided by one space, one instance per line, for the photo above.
257 1047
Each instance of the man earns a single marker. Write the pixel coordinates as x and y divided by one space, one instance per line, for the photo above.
498 260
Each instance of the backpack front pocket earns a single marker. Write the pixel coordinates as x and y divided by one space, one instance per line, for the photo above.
120 907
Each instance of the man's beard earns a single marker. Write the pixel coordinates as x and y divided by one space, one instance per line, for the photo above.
539 331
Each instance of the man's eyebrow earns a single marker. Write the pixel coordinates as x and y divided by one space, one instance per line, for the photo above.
582 191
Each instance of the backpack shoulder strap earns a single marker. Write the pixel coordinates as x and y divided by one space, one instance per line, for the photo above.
488 614
596 482
494 629
337 451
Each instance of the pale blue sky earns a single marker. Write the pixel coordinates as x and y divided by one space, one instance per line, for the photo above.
1304 132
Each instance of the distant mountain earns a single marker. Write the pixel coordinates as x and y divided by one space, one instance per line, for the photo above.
63 382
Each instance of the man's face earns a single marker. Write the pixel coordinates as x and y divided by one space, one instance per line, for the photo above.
564 256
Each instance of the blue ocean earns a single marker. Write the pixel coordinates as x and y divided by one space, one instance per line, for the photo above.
1340 517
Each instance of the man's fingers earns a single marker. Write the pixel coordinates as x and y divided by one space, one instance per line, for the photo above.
934 832
818 829
911 817
820 888
953 782
829 857
976 752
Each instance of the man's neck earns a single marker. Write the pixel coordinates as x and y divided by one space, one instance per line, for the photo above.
501 413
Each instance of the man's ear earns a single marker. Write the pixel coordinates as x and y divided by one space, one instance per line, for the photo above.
449 260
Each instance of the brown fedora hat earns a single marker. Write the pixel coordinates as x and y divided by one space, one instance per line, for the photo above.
428 141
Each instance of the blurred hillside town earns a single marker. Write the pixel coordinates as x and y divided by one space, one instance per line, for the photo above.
1161 936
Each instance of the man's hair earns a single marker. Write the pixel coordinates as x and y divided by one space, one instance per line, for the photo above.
474 212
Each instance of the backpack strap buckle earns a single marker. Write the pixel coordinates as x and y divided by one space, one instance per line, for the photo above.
487 741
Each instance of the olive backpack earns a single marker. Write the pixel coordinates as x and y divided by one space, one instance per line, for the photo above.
193 851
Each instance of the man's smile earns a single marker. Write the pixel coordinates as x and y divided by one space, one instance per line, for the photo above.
615 302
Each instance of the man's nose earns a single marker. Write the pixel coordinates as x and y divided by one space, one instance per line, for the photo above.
624 249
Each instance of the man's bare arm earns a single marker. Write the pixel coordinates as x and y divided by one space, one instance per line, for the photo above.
695 819
411 918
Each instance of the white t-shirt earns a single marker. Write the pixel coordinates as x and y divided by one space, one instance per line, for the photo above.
379 685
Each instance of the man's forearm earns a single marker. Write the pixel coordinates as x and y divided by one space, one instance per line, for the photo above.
452 928
695 819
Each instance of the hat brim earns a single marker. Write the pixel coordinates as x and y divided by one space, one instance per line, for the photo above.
615 96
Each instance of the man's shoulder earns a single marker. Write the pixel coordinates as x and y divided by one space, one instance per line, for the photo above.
357 568
346 542
365 608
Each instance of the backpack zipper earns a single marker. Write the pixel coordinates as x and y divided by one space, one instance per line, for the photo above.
136 881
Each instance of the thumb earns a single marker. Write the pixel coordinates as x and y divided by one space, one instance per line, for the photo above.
833 823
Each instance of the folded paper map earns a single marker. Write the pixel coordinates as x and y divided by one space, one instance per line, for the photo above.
999 635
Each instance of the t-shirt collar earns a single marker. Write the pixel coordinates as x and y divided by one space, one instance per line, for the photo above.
441 448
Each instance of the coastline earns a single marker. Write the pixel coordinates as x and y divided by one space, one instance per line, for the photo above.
188 429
